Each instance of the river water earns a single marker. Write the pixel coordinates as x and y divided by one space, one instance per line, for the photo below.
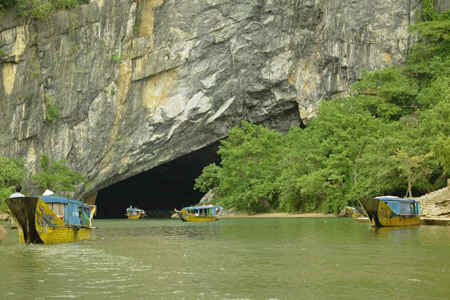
294 258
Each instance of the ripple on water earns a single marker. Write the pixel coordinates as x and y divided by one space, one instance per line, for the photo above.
50 269
232 259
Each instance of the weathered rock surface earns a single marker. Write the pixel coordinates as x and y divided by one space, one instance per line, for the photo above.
437 203
4 217
140 83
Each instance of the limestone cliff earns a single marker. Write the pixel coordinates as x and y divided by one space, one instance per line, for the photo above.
436 203
135 84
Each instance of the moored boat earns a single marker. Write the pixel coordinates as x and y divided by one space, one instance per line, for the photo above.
51 219
204 213
392 211
134 213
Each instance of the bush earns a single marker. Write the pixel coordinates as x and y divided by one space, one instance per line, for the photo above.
12 173
390 137
39 9
56 176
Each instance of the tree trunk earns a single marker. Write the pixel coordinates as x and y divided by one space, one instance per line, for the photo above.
409 189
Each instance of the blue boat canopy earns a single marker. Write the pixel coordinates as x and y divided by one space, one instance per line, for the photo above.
134 209
395 198
212 209
401 206
55 199
75 212
203 207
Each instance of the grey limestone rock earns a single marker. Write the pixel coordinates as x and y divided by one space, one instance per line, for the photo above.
140 83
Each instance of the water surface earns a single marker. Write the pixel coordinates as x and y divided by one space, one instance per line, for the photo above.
301 258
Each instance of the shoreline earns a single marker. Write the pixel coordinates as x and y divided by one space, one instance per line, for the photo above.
3 232
277 215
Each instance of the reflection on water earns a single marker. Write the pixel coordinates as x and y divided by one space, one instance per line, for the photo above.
233 259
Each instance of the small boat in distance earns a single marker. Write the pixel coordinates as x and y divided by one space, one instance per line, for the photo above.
135 213
392 211
204 213
51 219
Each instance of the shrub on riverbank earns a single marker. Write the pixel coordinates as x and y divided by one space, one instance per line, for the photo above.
12 173
39 9
391 136
54 175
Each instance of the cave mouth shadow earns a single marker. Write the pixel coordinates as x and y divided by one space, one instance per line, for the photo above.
159 190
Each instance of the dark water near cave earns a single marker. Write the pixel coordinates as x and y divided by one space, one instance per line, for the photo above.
302 258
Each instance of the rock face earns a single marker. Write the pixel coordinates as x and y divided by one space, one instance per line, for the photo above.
437 203
118 87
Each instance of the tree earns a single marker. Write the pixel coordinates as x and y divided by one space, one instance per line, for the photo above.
247 178
12 173
209 179
413 167
56 176
392 134
441 149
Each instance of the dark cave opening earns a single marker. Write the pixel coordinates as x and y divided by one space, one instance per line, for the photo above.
159 190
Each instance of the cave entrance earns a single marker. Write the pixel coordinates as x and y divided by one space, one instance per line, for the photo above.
159 190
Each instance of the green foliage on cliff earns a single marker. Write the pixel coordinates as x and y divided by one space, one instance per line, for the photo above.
7 4
39 9
56 176
392 136
12 173
52 112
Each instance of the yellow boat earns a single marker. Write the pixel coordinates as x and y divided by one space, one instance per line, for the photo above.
386 211
134 213
205 213
50 219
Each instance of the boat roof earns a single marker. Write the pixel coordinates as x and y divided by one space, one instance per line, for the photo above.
203 207
134 208
55 199
395 198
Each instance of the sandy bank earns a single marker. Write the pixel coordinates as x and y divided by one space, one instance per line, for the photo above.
4 217
3 232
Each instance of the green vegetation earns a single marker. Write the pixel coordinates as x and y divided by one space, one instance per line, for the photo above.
54 175
52 112
12 173
115 58
7 4
428 11
392 136
39 9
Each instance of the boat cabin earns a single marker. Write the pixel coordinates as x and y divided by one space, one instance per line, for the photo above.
401 206
72 212
204 211
134 212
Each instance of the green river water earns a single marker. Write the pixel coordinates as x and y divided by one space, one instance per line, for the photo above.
258 258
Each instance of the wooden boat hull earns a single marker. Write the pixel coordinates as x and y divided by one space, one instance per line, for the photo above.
188 218
381 215
38 224
134 217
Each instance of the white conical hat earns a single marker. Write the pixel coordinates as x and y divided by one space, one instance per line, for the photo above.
48 193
